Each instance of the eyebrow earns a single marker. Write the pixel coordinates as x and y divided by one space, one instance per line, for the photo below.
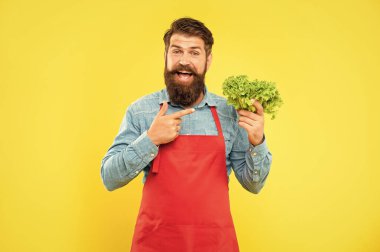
192 47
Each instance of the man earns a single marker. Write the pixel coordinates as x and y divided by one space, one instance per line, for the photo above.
187 140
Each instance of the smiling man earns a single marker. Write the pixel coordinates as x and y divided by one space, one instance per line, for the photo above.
187 141
186 63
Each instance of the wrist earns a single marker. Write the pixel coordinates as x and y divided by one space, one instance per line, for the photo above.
154 141
259 142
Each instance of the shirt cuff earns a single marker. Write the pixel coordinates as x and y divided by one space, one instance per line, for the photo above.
258 152
145 148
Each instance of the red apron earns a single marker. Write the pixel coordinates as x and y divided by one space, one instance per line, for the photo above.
185 204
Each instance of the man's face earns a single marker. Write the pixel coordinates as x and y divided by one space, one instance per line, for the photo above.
186 64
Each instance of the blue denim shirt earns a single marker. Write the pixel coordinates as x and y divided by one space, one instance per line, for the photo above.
132 150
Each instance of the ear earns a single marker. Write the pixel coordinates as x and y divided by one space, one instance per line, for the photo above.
208 61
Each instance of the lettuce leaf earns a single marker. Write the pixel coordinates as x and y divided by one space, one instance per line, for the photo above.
239 91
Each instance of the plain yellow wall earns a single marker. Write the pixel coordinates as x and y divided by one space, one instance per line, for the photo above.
69 69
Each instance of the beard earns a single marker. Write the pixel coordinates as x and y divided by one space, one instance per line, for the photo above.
184 94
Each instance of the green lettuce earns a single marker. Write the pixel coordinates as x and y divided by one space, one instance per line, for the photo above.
239 91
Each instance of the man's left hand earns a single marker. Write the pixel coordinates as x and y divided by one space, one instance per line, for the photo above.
253 123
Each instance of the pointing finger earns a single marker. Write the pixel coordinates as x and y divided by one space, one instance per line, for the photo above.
178 121
181 113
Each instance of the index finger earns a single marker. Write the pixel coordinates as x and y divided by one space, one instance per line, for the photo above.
259 108
181 113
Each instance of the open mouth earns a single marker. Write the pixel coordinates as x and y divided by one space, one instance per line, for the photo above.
183 75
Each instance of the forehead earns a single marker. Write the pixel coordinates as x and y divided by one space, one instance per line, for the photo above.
186 41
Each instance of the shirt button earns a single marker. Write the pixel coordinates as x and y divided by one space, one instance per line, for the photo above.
137 172
255 172
152 155
254 153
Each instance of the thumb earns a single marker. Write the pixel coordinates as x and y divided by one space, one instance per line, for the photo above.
163 109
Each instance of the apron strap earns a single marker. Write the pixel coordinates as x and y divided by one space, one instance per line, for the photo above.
216 119
156 161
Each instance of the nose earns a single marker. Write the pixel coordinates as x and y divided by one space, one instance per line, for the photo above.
184 60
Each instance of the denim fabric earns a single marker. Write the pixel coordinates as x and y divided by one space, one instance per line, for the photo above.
132 151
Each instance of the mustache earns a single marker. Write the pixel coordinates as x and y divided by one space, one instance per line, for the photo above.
182 68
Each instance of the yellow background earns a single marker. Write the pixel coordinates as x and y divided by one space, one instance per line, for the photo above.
69 69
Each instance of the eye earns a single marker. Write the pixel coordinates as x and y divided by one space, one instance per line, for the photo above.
195 53
176 51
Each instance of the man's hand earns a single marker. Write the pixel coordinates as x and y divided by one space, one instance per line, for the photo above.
165 128
253 123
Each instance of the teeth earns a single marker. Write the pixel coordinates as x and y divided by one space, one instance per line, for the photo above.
184 76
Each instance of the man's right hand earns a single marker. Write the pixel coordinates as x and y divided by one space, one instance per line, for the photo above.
165 128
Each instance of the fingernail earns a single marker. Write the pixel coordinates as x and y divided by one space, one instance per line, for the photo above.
253 101
193 109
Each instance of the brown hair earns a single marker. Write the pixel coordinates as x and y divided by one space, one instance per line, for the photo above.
191 27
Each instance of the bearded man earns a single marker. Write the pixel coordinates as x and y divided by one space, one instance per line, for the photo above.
187 140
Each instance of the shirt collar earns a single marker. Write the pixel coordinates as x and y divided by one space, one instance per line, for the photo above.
207 99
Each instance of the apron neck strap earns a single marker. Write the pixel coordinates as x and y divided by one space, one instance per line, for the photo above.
216 119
